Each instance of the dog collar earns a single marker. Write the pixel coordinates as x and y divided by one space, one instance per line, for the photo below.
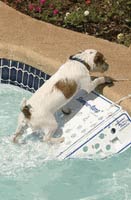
81 61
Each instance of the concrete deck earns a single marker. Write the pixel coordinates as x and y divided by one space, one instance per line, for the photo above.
46 47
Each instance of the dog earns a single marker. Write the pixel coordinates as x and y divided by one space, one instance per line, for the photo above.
74 75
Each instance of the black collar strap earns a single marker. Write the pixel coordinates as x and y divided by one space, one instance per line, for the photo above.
81 61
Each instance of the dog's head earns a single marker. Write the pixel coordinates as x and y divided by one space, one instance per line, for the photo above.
94 59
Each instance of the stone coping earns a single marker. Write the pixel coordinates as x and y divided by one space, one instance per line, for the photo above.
28 56
46 47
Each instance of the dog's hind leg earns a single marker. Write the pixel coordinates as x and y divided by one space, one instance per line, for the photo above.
56 140
50 129
18 133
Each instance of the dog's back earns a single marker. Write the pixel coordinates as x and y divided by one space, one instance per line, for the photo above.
58 90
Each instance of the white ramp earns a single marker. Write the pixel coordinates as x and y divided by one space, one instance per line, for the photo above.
96 128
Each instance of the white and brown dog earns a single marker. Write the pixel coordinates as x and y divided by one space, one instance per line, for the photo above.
38 111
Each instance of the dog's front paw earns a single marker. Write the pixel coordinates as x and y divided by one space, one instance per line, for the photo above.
109 80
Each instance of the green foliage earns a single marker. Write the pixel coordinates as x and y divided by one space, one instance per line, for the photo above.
75 18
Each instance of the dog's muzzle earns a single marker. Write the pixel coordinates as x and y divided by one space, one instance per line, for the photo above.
105 67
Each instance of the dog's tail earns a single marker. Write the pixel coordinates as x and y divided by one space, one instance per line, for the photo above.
26 109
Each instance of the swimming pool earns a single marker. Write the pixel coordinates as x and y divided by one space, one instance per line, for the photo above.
25 172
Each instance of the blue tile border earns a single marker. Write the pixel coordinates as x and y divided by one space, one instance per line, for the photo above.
21 75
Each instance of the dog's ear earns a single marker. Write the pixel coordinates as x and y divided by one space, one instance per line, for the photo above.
75 54
99 58
71 56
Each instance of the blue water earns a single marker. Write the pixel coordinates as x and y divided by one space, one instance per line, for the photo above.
25 173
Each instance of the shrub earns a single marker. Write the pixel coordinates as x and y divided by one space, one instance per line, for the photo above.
104 18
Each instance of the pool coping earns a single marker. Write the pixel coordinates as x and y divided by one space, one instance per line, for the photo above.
46 47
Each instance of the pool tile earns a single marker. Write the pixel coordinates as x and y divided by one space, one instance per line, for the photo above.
14 64
30 80
13 74
37 72
41 82
6 62
47 76
19 76
20 65
22 75
32 70
5 73
26 68
1 62
25 78
4 81
36 82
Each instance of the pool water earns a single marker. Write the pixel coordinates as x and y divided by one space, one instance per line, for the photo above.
27 174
